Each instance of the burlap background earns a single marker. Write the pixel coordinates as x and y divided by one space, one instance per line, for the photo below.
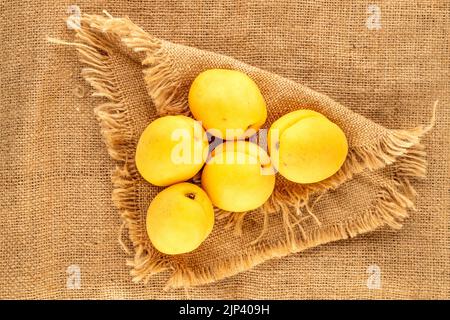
56 174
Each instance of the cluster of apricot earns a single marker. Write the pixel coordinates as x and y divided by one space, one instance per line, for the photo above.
236 175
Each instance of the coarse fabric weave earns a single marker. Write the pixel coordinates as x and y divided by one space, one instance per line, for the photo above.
57 208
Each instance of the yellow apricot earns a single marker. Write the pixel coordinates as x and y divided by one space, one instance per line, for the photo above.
228 103
171 149
306 147
238 177
179 218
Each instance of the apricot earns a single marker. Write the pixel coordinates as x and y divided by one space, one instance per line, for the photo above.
228 103
179 218
238 177
171 149
306 147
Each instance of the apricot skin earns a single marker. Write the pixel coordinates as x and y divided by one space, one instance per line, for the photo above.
238 179
228 103
179 219
306 147
156 157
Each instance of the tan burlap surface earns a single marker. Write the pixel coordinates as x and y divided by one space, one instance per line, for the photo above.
56 173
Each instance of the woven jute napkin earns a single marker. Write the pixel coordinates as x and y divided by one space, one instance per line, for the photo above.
372 189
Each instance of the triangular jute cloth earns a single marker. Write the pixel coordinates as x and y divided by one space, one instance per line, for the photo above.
372 189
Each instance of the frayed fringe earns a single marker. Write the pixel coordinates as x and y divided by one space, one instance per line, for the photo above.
161 76
147 263
295 201
234 220
117 133
389 208
294 204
